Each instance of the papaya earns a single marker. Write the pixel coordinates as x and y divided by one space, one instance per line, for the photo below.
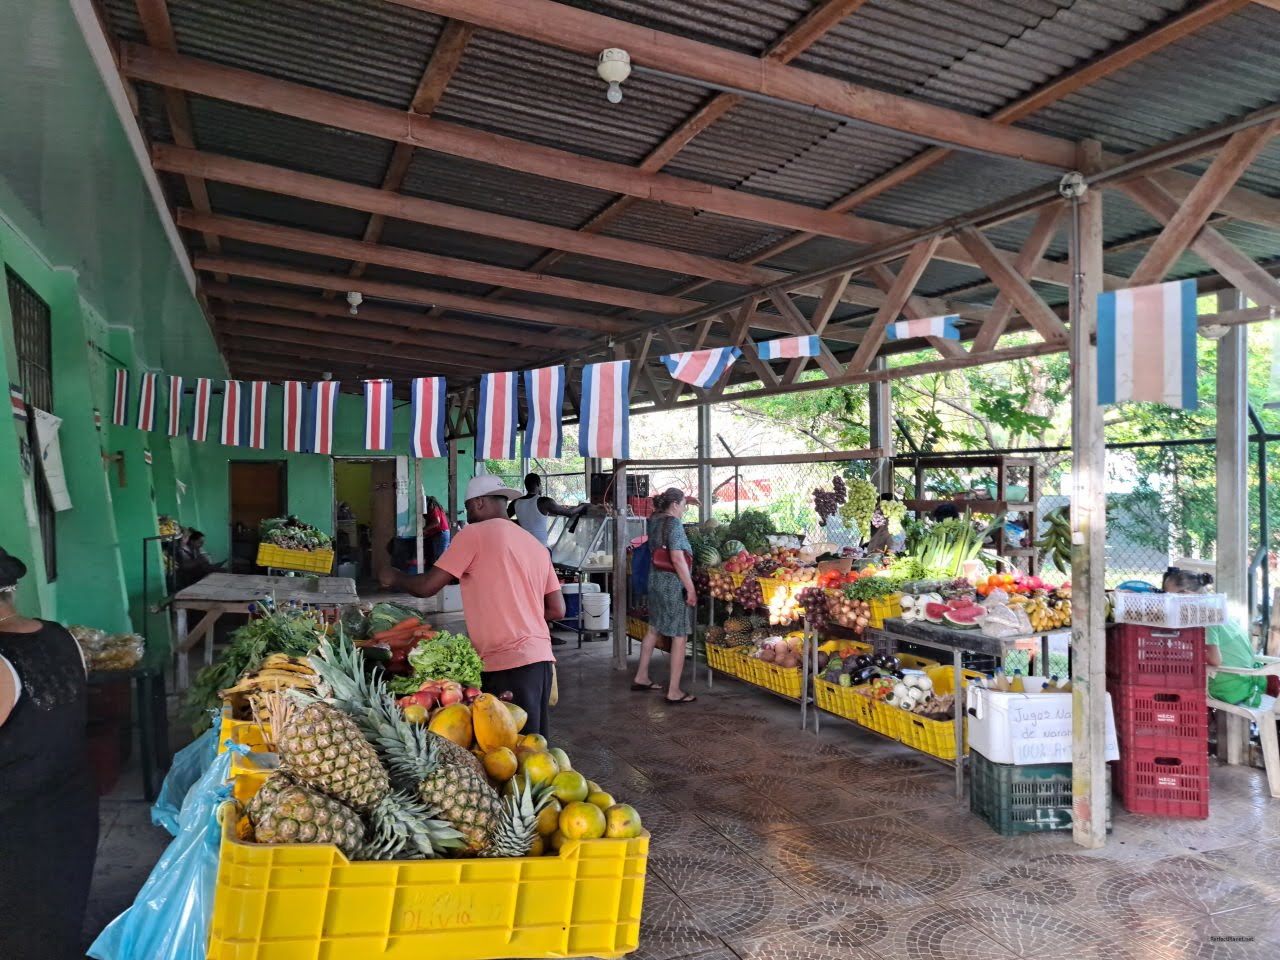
494 725
453 723
517 714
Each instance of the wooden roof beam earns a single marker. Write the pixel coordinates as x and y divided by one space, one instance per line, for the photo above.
569 28
906 280
400 355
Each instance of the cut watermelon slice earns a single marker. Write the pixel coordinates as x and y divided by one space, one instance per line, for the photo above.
965 619
934 612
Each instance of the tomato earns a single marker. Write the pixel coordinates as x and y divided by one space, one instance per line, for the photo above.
993 580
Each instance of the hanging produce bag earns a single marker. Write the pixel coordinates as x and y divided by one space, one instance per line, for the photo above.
189 765
169 919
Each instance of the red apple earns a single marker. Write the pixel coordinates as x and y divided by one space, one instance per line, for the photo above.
450 693
506 696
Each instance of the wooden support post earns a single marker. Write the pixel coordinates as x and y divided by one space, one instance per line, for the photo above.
1090 796
704 468
1233 463
618 603
880 406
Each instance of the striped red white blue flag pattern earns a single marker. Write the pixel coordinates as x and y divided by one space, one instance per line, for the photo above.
321 411
788 348
544 393
200 409
702 368
18 402
377 414
426 428
175 406
1147 345
947 327
255 429
120 406
147 403
293 420
232 434
496 424
604 424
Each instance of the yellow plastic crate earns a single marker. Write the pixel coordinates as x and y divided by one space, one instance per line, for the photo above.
883 608
716 656
843 702
239 731
307 561
304 901
909 661
834 647
934 737
788 682
737 579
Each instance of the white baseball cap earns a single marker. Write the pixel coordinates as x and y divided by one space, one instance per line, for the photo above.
487 485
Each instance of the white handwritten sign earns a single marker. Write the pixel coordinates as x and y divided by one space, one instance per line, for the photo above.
1026 728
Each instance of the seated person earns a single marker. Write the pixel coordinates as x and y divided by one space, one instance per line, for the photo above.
1227 645
193 564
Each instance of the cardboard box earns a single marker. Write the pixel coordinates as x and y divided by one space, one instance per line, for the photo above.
1026 728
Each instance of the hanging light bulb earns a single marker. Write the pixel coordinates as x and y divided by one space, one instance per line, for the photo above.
614 67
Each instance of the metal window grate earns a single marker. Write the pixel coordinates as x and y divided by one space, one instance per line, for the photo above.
33 335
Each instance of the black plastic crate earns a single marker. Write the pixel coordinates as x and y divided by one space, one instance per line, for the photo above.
1023 799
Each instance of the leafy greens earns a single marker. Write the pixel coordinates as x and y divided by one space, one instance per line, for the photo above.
446 656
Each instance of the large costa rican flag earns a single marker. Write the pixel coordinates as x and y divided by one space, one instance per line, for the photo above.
426 428
175 406
948 328
232 434
1147 344
788 348
255 430
544 393
18 403
200 409
293 416
702 368
147 403
120 405
603 427
496 425
377 414
323 408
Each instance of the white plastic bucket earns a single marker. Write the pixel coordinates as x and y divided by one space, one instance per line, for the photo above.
595 611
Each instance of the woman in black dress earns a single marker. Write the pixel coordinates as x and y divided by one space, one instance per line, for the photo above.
48 805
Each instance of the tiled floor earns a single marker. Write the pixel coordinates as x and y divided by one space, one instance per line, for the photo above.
769 844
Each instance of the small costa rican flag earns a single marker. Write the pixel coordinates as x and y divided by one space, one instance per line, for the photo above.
200 409
948 328
18 402
120 407
175 406
544 392
146 457
294 437
377 414
603 427
702 368
255 433
1147 345
320 413
496 425
232 414
788 348
147 403
426 430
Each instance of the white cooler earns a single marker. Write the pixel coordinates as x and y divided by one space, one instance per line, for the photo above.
1026 728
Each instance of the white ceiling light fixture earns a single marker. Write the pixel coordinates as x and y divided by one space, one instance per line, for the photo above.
614 67
355 299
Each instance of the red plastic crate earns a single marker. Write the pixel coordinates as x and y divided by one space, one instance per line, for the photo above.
1152 718
1164 784
1156 656
640 506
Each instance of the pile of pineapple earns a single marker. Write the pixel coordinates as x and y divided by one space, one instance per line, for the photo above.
355 773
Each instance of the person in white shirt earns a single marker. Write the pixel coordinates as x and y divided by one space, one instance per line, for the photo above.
531 510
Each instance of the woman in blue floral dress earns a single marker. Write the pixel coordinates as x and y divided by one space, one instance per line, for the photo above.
671 595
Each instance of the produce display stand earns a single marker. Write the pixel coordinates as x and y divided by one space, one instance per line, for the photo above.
220 593
578 540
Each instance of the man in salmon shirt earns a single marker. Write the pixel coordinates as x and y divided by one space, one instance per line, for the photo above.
509 594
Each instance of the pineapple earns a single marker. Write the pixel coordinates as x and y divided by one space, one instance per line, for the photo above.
326 750
284 811
715 635
737 631
448 778
518 825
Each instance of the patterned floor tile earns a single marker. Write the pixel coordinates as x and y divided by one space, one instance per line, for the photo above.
933 932
1238 935
792 946
668 929
745 911
1259 861
697 870
1182 888
1046 931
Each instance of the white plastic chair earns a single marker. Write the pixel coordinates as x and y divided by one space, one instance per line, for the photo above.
1265 715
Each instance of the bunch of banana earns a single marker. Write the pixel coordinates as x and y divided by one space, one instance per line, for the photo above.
1055 545
277 672
1046 614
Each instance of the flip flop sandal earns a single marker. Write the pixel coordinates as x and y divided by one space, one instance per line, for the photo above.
687 698
644 687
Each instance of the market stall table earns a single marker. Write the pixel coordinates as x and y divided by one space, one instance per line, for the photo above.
220 593
958 642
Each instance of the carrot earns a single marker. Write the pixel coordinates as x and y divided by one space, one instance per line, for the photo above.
406 626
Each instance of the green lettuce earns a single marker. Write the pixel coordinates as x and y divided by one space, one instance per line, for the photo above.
446 656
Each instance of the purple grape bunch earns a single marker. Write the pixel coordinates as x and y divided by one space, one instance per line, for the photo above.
827 502
814 602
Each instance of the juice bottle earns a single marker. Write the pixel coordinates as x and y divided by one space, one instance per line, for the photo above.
999 681
1017 686
1065 686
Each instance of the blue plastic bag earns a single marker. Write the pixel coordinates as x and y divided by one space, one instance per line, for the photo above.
189 765
169 919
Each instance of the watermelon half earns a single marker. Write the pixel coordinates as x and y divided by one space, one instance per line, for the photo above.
965 618
934 612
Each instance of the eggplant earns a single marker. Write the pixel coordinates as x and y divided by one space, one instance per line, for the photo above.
823 660
863 660
865 675
898 674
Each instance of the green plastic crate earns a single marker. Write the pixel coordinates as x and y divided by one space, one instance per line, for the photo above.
1023 799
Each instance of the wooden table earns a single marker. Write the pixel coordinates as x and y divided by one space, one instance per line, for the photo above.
220 593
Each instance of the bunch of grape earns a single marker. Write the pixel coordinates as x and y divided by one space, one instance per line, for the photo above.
893 512
839 488
749 596
701 581
859 507
766 567
825 503
814 602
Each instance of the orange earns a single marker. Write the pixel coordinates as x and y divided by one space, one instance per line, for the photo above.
622 821
601 799
582 821
539 767
500 764
518 715
549 819
533 741
569 786
993 580
415 713
538 847
562 758
555 842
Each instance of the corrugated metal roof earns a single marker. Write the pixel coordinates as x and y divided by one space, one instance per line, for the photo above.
691 230
748 26
452 243
236 201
